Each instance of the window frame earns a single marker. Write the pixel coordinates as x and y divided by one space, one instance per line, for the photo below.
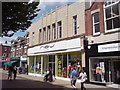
75 25
40 35
54 31
60 29
33 37
48 33
111 18
44 34
93 23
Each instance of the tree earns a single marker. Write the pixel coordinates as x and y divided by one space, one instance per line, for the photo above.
17 16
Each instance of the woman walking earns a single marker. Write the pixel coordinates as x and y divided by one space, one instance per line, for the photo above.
83 78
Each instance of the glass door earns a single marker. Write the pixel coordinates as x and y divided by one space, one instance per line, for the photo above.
51 63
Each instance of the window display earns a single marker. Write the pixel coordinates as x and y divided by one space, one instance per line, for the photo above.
105 70
38 65
31 65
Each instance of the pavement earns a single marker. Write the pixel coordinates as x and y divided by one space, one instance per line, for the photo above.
39 83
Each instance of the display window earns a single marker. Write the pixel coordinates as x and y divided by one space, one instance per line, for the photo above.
38 64
65 63
74 61
105 70
62 65
31 65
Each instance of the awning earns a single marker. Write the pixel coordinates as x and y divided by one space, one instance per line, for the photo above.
10 62
74 59
16 58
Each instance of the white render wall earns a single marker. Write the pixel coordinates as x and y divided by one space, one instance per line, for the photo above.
64 14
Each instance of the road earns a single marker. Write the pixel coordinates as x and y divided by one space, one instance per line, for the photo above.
27 82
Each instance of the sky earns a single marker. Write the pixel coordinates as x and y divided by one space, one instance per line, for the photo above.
45 6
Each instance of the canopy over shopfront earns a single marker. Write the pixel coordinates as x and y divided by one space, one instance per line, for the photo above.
15 59
10 63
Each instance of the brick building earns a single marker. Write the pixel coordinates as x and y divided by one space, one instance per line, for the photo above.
102 23
4 54
19 50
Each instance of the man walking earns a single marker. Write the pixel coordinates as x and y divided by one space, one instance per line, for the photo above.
15 72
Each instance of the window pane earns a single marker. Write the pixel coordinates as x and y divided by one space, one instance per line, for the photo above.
96 17
109 24
115 9
116 22
108 12
97 28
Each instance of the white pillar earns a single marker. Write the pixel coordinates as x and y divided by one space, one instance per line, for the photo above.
34 64
67 64
56 65
42 65
83 59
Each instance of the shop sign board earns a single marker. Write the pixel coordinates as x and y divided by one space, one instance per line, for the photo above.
109 47
60 46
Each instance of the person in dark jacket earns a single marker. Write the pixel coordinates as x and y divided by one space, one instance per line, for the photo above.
15 72
10 70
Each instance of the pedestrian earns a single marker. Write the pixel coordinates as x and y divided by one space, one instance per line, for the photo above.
83 78
49 75
15 72
10 70
73 77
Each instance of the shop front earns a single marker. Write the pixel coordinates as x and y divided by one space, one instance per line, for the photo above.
61 56
104 64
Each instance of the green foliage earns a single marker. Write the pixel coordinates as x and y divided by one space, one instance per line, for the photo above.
18 15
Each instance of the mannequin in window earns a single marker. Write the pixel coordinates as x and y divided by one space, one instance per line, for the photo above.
98 75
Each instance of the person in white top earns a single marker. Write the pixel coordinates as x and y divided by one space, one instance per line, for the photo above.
83 78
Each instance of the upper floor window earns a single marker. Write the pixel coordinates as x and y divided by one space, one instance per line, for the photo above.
59 29
4 54
54 31
48 33
75 24
44 34
33 37
112 15
40 35
5 48
96 23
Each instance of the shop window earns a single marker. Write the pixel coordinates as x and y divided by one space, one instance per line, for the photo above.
38 65
75 24
112 15
96 23
74 62
105 70
31 65
62 65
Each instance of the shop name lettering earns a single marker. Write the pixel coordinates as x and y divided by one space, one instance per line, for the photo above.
112 47
47 46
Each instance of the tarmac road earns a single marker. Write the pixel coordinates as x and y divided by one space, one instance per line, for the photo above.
27 82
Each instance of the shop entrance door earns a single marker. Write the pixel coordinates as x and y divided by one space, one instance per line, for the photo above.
52 66
51 63
114 73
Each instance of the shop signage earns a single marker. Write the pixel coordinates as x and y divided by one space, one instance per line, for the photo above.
47 46
109 47
60 46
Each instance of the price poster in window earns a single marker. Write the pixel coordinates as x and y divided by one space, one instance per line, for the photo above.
60 68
